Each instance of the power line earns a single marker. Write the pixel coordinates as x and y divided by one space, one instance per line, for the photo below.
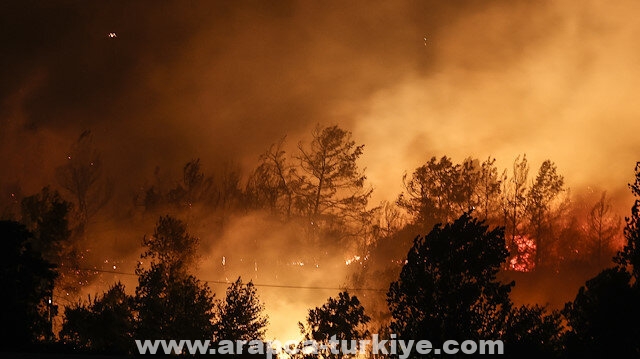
255 284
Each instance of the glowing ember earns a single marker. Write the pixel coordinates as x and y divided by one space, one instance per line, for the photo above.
352 259
522 260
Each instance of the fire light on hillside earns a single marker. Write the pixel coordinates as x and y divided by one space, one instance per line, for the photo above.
523 258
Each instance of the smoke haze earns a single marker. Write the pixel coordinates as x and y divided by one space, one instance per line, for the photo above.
223 80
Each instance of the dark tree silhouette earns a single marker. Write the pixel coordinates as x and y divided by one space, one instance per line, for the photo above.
83 177
433 192
227 195
543 191
272 183
513 203
169 301
172 305
630 254
241 314
26 280
488 190
602 227
604 317
440 191
171 245
342 317
332 187
103 325
448 288
195 186
532 332
46 215
218 194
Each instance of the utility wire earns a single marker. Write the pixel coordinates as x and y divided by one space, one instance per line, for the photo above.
255 284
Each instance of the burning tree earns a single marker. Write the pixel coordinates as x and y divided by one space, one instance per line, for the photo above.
513 202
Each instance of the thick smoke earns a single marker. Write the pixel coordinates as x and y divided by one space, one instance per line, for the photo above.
222 81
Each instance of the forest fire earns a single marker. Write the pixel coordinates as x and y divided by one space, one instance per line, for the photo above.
272 160
507 202
523 259
353 259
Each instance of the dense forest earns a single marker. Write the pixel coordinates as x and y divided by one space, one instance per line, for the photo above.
442 260
308 170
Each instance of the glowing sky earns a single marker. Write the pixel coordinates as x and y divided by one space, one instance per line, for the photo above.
554 79
223 80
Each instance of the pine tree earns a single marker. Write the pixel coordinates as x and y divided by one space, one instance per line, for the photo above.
341 319
448 288
241 314
170 302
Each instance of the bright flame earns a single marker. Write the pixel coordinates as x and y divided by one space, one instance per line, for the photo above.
522 260
352 259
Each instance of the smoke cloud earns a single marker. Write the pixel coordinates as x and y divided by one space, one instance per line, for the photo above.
223 80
